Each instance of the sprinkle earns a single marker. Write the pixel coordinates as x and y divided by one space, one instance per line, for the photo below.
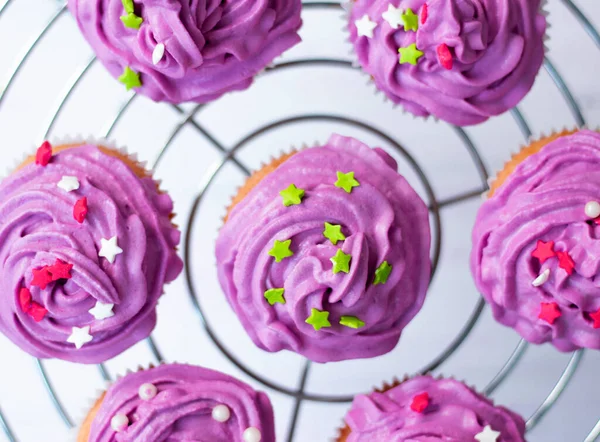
346 181
411 20
292 195
445 56
393 16
60 270
341 262
102 311
130 78
158 53
80 336
252 435
365 26
132 21
119 423
382 273
424 13
110 249
30 307
596 318
41 277
281 250
221 413
68 183
488 435
544 251
274 296
549 312
25 299
318 319
541 279
128 6
420 402
333 232
80 210
410 54
592 209
351 322
565 262
147 391
43 154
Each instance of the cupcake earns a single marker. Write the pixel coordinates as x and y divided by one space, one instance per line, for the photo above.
178 51
86 247
425 409
535 242
461 61
325 252
179 402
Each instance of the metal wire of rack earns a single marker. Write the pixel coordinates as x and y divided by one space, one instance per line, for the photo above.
228 156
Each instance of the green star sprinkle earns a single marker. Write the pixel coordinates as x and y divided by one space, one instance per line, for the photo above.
292 195
341 262
410 54
281 250
274 296
333 232
128 6
318 319
382 273
346 181
351 322
132 21
130 79
411 20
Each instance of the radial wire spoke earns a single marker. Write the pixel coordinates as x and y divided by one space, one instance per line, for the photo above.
508 368
111 126
583 20
7 431
298 403
594 434
564 90
57 404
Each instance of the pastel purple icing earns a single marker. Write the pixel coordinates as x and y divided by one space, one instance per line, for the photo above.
211 46
455 414
543 199
182 409
497 48
383 219
37 227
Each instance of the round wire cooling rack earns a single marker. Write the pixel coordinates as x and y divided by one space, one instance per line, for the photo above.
228 156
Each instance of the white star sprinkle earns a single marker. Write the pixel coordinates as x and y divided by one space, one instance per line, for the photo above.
158 53
365 26
488 435
80 336
393 16
102 311
68 183
110 249
541 279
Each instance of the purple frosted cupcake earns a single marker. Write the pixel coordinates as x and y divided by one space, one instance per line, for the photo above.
325 252
179 403
424 409
535 242
86 247
462 61
178 51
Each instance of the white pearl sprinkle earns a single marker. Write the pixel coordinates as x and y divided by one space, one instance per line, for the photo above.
541 279
592 209
252 435
158 53
147 392
221 413
119 423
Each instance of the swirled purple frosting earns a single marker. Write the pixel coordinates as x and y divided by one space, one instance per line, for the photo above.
183 407
382 219
37 228
496 48
211 47
544 199
454 413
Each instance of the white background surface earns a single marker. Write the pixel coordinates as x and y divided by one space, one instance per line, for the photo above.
33 99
